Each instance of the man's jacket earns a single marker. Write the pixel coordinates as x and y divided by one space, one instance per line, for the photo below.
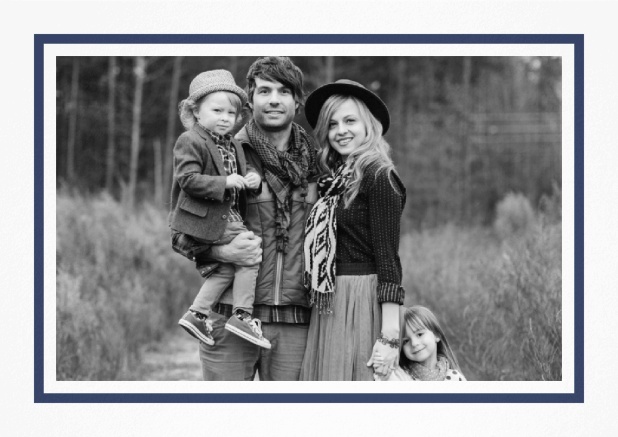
280 278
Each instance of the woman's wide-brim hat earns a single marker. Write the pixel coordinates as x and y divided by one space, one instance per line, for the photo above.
346 87
213 81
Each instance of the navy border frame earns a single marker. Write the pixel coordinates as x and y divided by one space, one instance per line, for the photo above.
576 40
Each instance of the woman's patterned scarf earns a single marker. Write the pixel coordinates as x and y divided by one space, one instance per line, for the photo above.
284 171
422 373
321 239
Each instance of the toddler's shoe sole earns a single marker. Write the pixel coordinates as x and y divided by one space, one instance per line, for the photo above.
260 342
192 330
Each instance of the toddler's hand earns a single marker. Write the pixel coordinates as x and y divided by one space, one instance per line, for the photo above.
235 181
252 181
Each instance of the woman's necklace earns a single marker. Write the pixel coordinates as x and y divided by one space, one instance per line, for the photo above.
422 373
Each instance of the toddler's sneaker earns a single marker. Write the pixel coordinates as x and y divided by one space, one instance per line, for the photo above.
247 328
198 328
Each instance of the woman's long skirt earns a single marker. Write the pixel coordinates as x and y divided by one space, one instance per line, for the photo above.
340 344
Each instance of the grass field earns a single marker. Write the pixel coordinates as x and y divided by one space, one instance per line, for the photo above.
496 291
498 301
119 285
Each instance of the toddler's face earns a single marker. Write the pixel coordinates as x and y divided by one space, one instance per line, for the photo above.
217 113
421 345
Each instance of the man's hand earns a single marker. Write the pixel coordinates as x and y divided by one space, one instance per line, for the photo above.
244 250
235 181
252 181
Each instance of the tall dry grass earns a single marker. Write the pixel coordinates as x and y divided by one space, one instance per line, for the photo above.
118 285
497 293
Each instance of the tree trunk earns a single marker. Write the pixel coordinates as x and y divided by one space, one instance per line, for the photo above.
234 67
172 116
518 69
73 107
399 112
428 88
158 171
465 197
466 79
140 73
111 124
329 69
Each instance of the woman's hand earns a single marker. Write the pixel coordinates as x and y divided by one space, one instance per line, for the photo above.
377 360
383 359
389 337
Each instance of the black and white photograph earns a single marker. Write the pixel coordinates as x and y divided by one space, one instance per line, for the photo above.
312 218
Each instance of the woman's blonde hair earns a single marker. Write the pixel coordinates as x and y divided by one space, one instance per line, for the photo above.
419 317
373 150
187 107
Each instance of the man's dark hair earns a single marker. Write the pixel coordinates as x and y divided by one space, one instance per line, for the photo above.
276 68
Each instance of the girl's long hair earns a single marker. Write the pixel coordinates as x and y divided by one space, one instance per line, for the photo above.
373 151
418 317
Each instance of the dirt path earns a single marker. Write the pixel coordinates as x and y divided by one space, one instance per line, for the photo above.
175 358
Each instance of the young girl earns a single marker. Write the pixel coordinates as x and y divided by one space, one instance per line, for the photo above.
352 265
208 192
426 354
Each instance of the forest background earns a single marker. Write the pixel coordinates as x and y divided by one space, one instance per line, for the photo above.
476 140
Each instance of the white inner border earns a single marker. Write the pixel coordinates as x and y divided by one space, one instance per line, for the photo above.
566 51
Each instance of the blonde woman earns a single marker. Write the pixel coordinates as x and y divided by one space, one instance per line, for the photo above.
352 265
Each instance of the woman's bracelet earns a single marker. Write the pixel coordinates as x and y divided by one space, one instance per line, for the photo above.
393 342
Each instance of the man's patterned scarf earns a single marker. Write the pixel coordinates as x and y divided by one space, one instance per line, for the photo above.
321 239
284 171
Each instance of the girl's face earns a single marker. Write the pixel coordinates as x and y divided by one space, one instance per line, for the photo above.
216 113
421 346
346 129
